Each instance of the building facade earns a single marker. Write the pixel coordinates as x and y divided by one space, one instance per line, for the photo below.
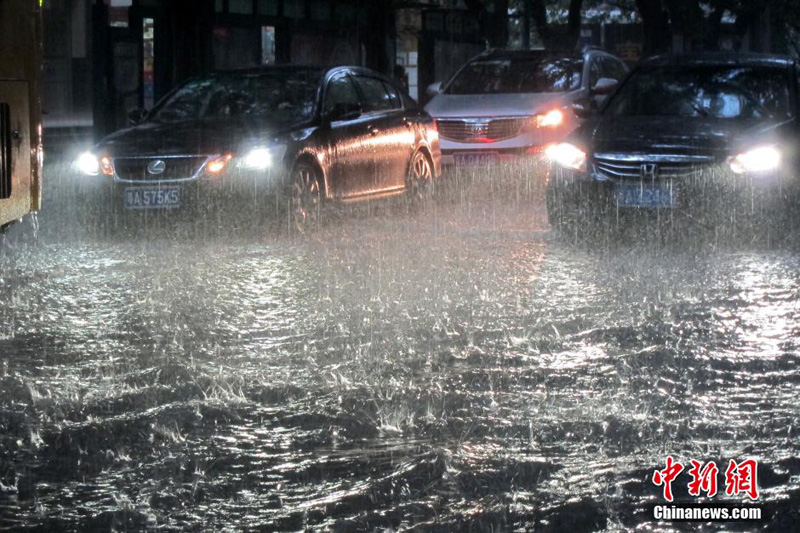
104 58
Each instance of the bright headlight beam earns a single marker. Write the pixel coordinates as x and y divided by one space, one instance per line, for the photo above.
88 163
258 158
551 119
567 155
761 159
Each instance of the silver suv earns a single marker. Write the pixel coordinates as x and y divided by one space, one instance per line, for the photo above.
503 105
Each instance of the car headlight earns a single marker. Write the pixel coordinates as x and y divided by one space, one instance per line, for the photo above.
567 155
761 159
90 164
257 159
551 119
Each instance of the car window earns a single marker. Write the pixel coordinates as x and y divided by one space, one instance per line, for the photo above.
340 90
613 69
397 103
526 75
280 96
595 72
376 97
729 92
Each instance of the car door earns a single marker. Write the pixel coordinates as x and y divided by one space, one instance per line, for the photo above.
391 136
349 165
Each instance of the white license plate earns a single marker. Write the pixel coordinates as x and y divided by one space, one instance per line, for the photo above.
152 197
476 159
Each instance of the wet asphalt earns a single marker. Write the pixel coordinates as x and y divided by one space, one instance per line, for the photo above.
455 367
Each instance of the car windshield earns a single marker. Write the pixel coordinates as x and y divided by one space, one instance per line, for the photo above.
733 92
278 96
529 75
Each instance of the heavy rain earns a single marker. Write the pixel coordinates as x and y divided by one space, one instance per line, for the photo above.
454 369
309 265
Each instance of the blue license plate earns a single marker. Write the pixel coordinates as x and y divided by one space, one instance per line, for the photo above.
645 195
152 197
476 159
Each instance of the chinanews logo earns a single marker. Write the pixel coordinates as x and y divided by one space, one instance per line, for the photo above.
740 483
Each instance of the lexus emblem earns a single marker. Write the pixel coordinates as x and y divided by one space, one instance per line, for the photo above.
157 166
649 171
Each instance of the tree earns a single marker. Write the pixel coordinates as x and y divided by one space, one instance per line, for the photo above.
492 17
557 37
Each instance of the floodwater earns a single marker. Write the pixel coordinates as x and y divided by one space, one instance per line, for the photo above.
457 368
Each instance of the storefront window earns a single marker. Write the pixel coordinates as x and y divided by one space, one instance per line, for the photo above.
240 7
235 48
345 13
320 10
118 13
148 73
267 45
268 7
295 9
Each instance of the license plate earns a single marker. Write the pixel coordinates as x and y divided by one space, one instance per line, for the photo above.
152 197
476 159
645 195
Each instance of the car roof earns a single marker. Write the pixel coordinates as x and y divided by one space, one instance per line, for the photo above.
720 58
323 71
503 53
270 68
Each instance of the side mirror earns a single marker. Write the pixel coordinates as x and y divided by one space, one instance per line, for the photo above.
604 86
137 115
434 89
345 111
584 108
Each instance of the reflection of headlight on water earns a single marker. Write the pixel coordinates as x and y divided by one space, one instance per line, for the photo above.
761 159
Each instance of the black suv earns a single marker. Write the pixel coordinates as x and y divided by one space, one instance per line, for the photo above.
706 134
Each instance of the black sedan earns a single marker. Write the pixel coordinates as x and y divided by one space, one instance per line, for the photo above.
272 139
710 137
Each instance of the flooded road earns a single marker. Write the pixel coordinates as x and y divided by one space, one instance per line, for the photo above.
452 369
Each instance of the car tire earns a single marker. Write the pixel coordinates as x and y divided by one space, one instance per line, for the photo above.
419 180
304 199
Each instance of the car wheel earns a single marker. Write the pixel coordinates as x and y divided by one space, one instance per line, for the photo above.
419 182
305 199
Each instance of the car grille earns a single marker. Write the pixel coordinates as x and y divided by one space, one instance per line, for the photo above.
481 130
175 168
619 166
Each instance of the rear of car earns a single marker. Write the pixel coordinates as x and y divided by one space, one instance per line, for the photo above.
504 105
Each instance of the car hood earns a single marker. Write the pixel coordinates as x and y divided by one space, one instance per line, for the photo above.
492 105
195 137
680 135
